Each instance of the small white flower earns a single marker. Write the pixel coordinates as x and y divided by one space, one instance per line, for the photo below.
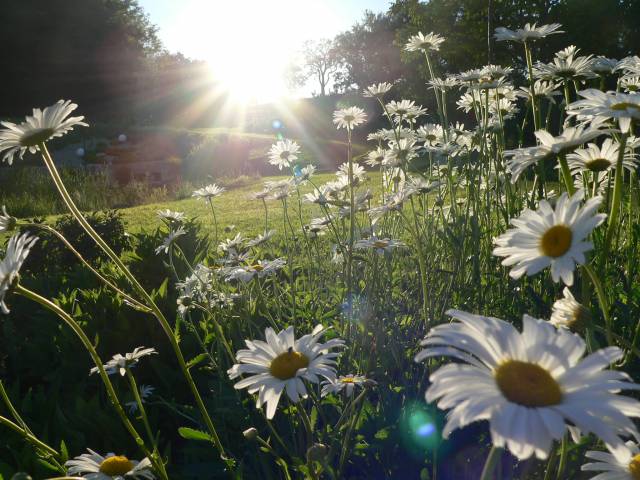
624 466
119 364
566 65
349 117
234 244
260 269
261 238
380 245
630 84
377 89
529 385
348 383
569 313
625 107
169 239
282 363
548 237
17 251
38 128
7 222
283 153
530 32
424 43
599 159
208 192
377 157
94 466
171 216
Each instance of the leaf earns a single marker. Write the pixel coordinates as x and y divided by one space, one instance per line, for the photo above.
196 360
382 434
64 453
193 434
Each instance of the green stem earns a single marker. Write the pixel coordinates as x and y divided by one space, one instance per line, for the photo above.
602 299
29 437
490 464
617 197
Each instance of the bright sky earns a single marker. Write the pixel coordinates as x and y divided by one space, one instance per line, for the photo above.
250 43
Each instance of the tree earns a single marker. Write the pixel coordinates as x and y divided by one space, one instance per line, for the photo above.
319 64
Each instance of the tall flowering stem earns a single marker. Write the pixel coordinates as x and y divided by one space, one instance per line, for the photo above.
617 197
490 463
66 197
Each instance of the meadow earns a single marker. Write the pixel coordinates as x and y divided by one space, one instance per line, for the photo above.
460 302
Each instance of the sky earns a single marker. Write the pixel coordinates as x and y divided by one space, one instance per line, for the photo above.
249 43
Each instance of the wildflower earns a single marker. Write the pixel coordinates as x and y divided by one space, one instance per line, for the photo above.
349 117
377 157
348 383
208 192
630 84
261 195
319 196
359 174
38 128
566 65
443 83
282 362
604 66
260 269
401 108
17 251
530 386
111 467
377 89
283 153
569 140
261 238
380 245
530 32
169 239
377 136
568 313
302 175
232 244
7 222
401 152
171 216
431 133
599 159
145 392
118 363
424 43
624 466
625 107
541 88
549 237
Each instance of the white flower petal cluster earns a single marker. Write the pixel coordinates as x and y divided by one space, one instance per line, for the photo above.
94 466
17 251
119 363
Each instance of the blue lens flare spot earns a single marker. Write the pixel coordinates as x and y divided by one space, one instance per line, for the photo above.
276 124
426 430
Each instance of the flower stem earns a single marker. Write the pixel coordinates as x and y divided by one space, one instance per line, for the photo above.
490 464
617 197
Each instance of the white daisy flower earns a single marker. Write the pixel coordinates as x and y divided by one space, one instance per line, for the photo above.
529 33
431 133
261 195
282 363
7 222
38 128
566 65
568 313
349 117
171 216
234 244
260 269
549 237
625 466
348 383
380 245
145 392
377 136
630 84
110 467
599 159
377 89
169 239
444 83
208 192
625 107
377 157
261 238
401 152
604 66
400 109
530 386
541 88
119 364
429 42
571 138
302 175
17 251
283 153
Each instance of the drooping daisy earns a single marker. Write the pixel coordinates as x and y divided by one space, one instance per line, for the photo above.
604 66
380 245
569 313
530 386
571 138
529 33
625 466
119 364
283 153
171 216
349 117
38 128
7 222
541 88
261 268
548 237
169 239
348 383
110 467
261 238
625 107
282 363
377 90
208 192
599 159
566 65
425 43
17 251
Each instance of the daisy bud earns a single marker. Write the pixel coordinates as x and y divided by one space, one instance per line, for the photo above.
317 452
250 433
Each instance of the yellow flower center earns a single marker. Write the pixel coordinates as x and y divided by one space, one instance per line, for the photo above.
348 380
118 465
634 467
380 244
556 241
285 155
527 384
285 365
598 164
36 137
257 267
624 106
